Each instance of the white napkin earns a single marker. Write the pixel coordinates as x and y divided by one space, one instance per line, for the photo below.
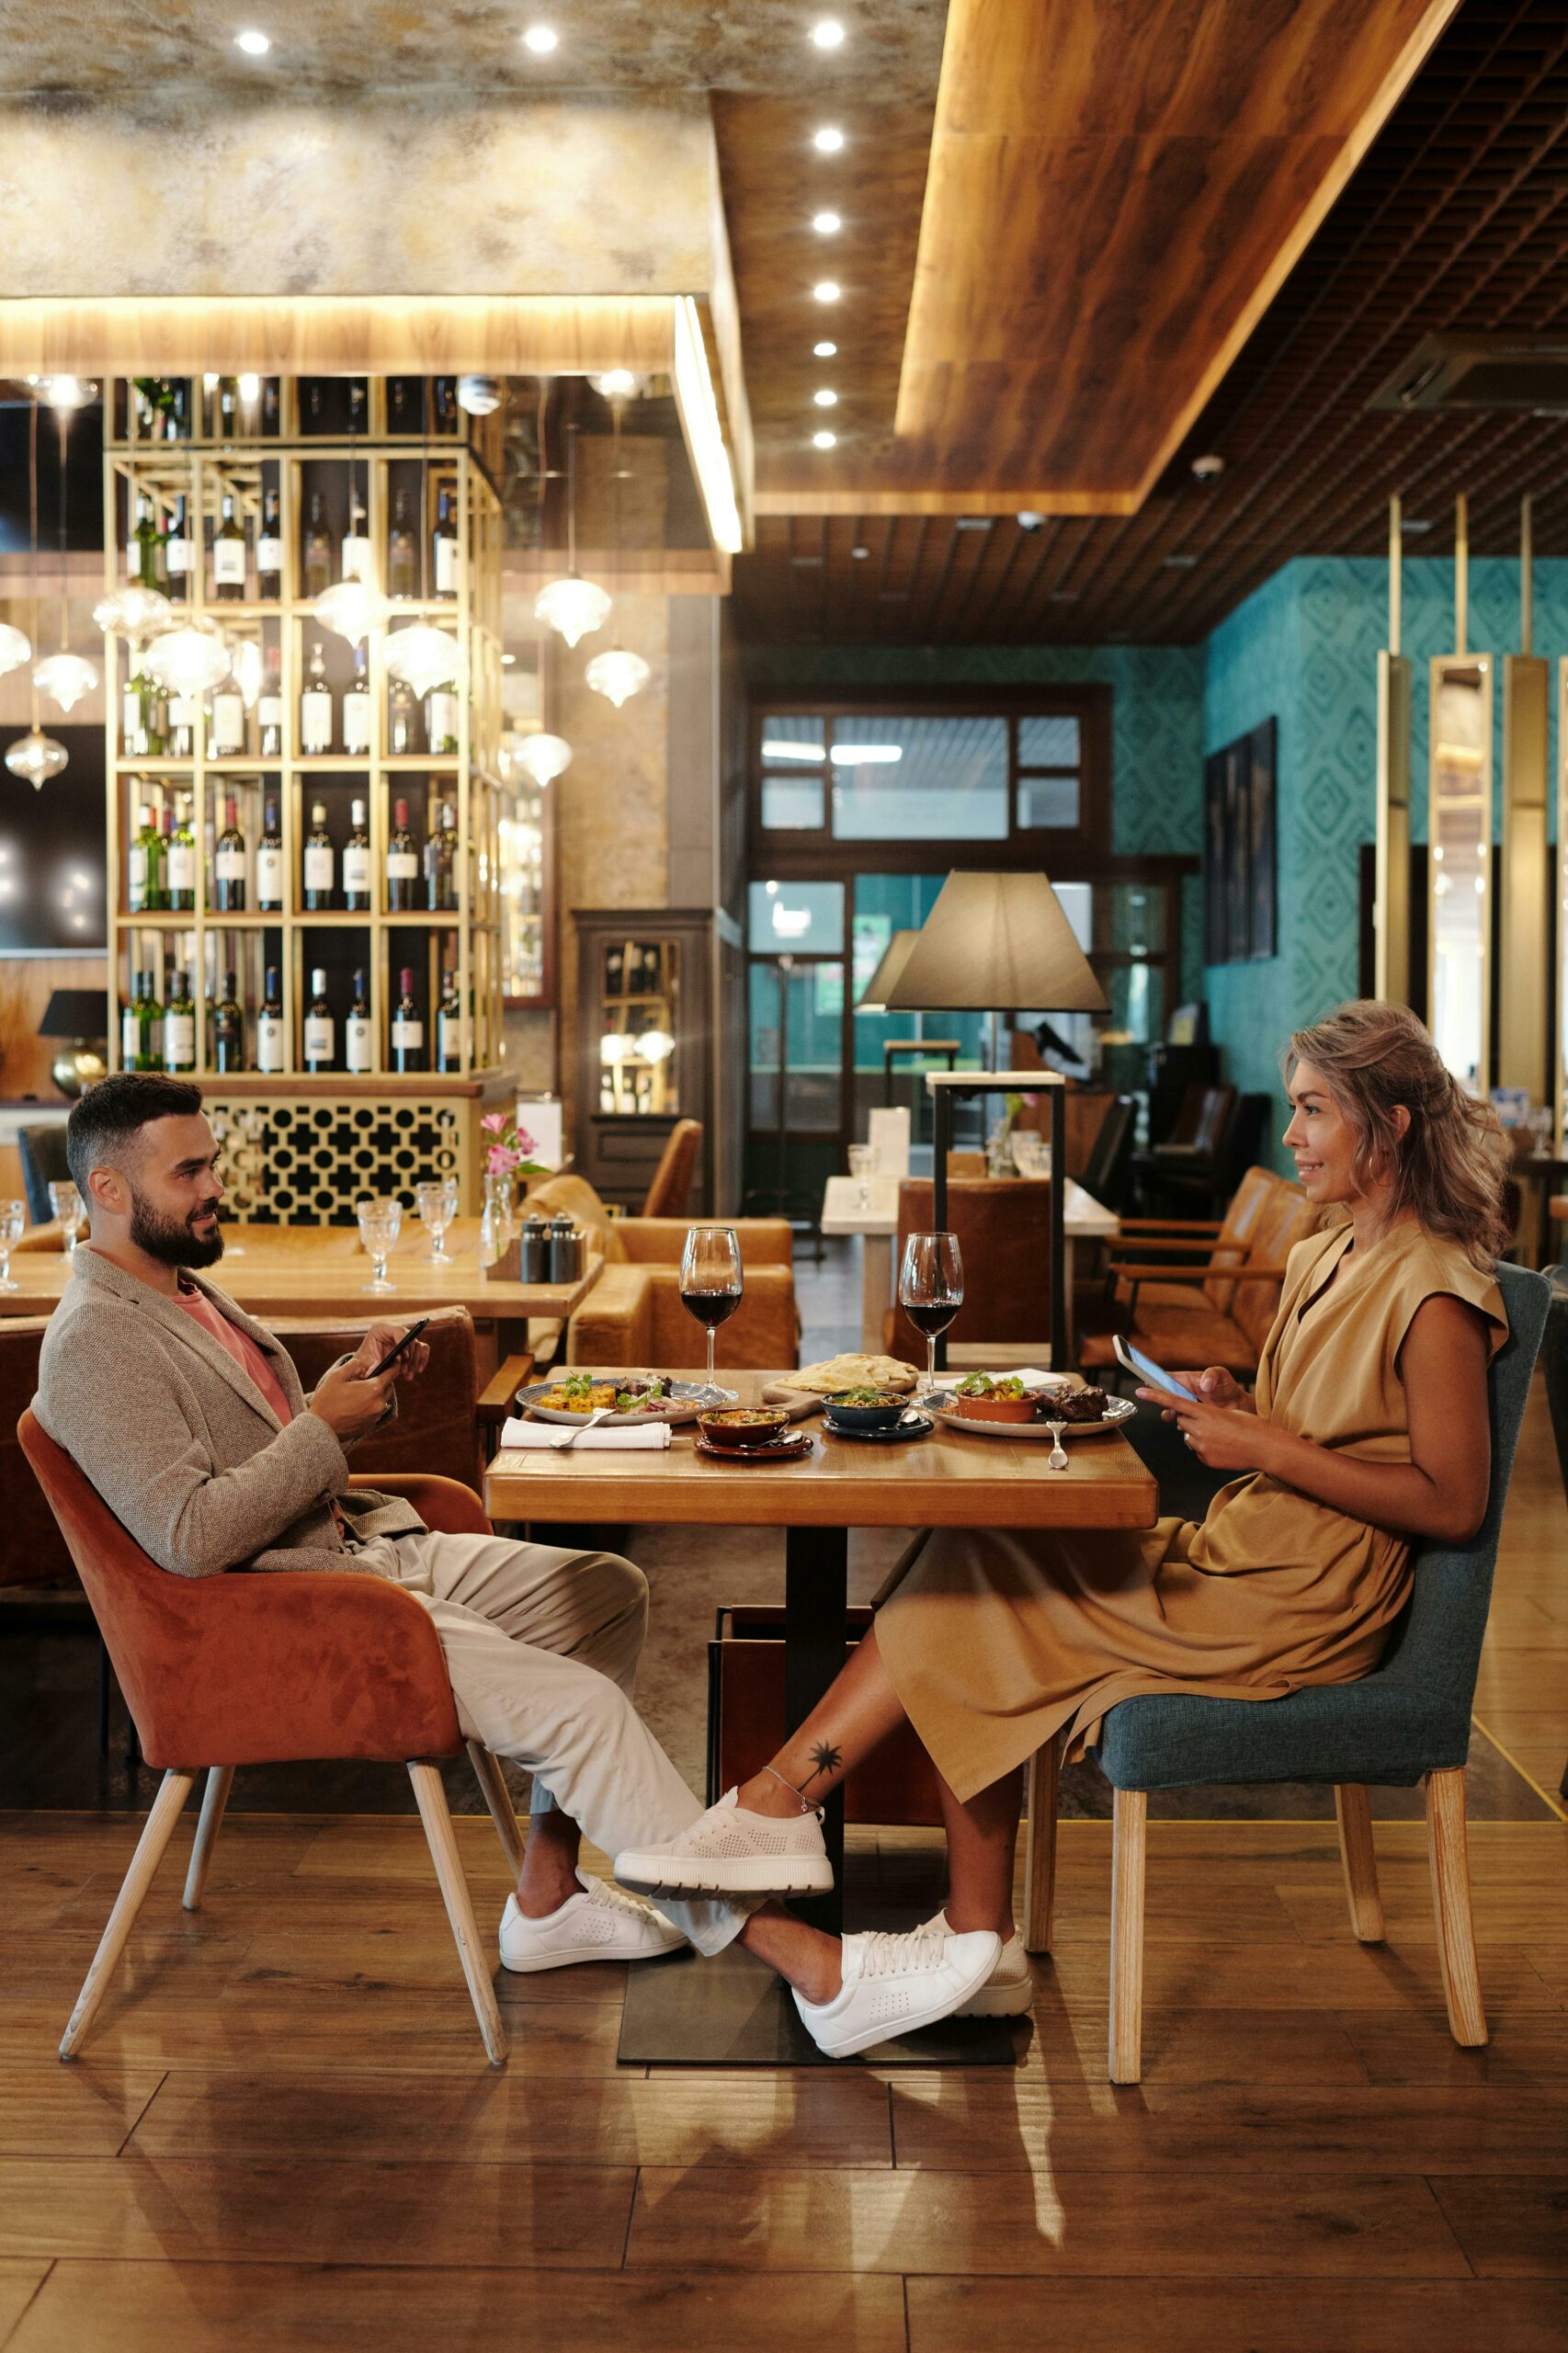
546 1437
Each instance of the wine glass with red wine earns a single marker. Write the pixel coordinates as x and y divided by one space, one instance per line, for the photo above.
931 1290
710 1279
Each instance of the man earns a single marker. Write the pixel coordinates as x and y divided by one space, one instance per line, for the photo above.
189 1418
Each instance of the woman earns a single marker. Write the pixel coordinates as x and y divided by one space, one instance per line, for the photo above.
1368 1428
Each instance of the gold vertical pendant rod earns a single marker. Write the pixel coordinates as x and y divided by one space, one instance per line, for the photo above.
1527 573
1396 576
1461 574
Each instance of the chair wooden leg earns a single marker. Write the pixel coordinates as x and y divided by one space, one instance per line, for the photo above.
1129 1822
1359 1858
492 1781
1451 1905
1039 1848
209 1821
431 1799
158 1829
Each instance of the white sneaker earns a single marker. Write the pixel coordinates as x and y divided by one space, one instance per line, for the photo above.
599 1925
731 1851
1008 1992
893 1984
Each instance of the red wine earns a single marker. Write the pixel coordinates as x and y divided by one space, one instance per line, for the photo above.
932 1316
710 1307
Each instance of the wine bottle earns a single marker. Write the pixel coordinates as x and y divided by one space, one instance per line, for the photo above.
319 862
450 1026
142 548
269 548
271 1053
230 867
226 732
269 865
315 707
403 866
402 572
269 706
184 711
441 860
318 551
144 866
355 543
178 551
180 861
141 1027
320 1029
357 707
133 712
228 1030
441 721
407 1028
358 1046
228 407
229 555
445 547
180 1027
357 865
400 707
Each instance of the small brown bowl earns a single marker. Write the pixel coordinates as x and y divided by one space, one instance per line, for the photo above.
998 1409
744 1425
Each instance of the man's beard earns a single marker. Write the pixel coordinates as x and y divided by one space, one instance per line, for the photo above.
171 1240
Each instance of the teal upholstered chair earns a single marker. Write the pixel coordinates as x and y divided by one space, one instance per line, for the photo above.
1407 1722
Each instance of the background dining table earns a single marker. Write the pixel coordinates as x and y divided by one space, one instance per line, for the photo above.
721 2013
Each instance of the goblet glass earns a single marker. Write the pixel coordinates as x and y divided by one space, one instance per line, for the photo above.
931 1290
863 1167
436 1207
13 1225
66 1203
380 1221
710 1279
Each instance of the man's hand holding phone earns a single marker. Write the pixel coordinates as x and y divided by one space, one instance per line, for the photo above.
351 1397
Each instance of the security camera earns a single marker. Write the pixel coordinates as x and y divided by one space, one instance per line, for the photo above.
481 395
1029 521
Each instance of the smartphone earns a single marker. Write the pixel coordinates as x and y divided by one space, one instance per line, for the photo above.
406 1342
1133 1360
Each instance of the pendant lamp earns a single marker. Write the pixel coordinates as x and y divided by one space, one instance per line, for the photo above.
572 605
64 677
617 674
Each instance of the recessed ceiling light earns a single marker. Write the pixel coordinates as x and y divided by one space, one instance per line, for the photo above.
827 33
1410 523
255 44
542 39
824 440
828 140
824 399
1064 596
827 225
826 290
860 554
825 350
1179 562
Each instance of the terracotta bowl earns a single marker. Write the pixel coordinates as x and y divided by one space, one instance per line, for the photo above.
744 1425
999 1409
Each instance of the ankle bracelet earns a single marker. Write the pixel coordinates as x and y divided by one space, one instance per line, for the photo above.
806 1805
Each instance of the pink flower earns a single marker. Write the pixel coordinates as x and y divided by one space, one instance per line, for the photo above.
525 1144
495 1121
496 1161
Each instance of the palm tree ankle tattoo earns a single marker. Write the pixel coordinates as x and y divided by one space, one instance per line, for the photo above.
825 1759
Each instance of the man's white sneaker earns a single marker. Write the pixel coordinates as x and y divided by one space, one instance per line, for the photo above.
601 1924
730 1851
1008 1992
893 1984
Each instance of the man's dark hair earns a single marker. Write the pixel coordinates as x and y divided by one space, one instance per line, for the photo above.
105 1120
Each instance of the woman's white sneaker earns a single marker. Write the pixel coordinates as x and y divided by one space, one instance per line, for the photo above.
1008 1992
601 1924
730 1851
894 1984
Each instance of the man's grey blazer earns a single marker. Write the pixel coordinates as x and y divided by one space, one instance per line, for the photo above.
180 1442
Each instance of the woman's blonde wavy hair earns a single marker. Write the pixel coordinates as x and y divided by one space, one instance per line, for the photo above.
1450 1165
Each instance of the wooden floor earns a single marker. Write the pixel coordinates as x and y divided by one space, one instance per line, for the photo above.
282 2132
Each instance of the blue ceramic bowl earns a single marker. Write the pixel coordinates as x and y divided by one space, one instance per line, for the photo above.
885 1415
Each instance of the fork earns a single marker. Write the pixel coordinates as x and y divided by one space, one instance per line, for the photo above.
600 1414
1058 1460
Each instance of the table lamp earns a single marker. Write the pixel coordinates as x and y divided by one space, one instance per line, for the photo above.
80 1015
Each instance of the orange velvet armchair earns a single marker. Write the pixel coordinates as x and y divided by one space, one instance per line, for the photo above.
231 1670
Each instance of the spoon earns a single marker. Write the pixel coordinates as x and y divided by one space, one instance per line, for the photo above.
1058 1460
600 1414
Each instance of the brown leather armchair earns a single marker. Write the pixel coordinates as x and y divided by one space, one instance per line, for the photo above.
1004 1232
237 1669
671 1188
1192 1292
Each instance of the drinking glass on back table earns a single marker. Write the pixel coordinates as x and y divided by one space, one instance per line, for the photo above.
380 1221
863 1167
66 1203
710 1279
436 1207
13 1225
931 1290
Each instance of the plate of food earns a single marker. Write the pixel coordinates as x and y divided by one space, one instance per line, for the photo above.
628 1397
1010 1407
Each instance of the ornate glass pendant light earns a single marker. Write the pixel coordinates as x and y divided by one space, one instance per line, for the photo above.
616 674
425 656
543 757
354 606
64 677
189 660
34 756
133 611
16 647
572 605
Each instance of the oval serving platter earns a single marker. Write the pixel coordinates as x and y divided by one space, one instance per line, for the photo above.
682 1402
1118 1411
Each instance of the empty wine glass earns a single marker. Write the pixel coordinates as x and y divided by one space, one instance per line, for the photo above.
380 1221
863 1167
931 1290
66 1203
13 1225
710 1279
436 1207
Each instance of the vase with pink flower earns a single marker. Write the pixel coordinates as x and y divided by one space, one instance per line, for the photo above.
509 1155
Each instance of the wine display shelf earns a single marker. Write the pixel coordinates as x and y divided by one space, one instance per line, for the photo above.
203 467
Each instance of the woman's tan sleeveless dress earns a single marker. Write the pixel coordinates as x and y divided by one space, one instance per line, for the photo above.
996 1639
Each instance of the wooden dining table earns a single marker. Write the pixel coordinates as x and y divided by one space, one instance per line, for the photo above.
951 1478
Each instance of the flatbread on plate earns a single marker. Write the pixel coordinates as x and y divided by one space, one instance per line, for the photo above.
852 1371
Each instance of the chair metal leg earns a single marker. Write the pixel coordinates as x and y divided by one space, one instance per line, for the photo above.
1040 1847
209 1821
1446 1852
431 1799
158 1829
492 1781
1129 1823
1359 1857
